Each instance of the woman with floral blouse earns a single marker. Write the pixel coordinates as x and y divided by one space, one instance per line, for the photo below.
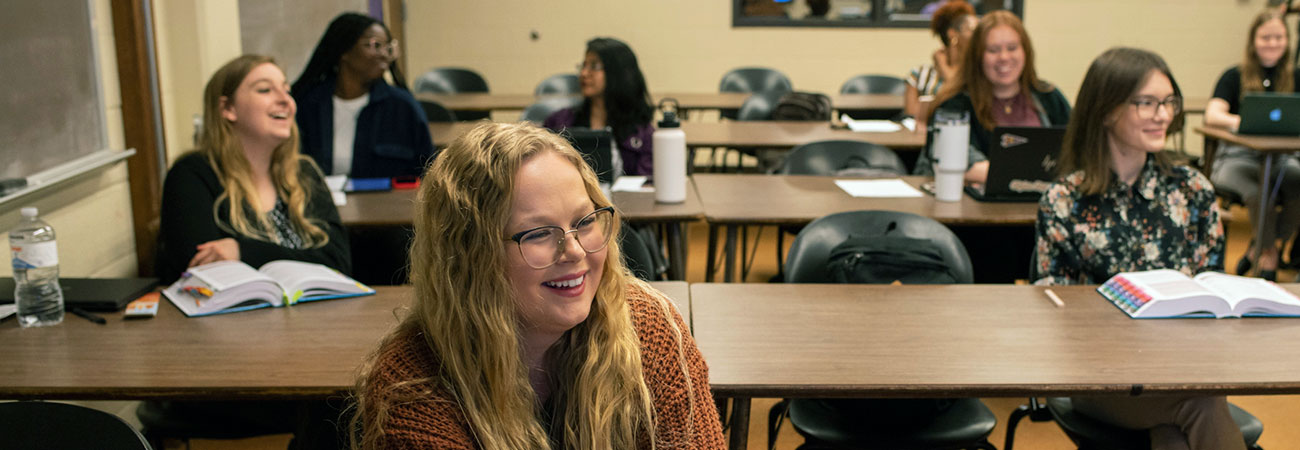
1121 206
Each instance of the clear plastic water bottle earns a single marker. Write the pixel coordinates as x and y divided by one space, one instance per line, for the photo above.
36 271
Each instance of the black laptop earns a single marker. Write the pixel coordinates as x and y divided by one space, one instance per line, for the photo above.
1270 113
92 294
1022 164
597 147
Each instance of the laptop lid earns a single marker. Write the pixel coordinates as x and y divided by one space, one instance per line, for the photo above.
1270 113
597 147
92 294
1022 162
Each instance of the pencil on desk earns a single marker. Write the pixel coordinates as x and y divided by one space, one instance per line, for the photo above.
1055 300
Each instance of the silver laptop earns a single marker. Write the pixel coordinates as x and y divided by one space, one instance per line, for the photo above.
1270 114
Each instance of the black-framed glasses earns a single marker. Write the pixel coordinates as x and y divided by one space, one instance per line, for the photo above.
1147 106
542 247
594 67
389 47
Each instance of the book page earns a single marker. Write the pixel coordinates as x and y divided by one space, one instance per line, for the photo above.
1237 289
222 275
1162 293
1165 283
303 280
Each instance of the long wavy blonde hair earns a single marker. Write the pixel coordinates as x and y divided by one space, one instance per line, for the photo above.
465 311
219 144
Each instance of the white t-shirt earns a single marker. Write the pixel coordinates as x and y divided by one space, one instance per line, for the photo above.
345 131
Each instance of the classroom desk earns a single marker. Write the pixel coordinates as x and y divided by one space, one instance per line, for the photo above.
310 350
396 208
734 201
736 134
782 340
485 101
1269 146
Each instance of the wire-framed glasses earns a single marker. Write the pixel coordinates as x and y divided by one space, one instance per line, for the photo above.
542 247
377 45
1147 106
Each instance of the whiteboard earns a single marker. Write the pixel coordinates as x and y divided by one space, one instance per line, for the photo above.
51 107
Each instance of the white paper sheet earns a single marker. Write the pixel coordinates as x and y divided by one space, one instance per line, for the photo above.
335 182
870 126
887 188
8 310
631 183
340 198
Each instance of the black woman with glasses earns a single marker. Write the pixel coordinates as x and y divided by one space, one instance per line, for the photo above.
526 330
352 121
1122 206
614 97
1267 67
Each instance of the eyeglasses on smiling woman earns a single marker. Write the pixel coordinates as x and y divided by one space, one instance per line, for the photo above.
1147 106
542 247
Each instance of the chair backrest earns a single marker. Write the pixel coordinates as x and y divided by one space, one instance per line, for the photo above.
811 249
435 112
874 84
539 111
56 426
450 80
759 105
754 79
832 157
563 83
637 254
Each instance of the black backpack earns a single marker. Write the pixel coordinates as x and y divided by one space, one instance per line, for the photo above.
802 106
885 258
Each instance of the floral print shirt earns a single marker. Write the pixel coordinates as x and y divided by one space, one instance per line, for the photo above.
1166 220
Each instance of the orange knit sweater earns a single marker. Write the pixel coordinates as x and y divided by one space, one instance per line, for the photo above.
436 420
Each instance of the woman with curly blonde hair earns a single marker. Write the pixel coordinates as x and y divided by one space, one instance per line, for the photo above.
526 329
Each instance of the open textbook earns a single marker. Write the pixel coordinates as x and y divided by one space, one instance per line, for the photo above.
1169 293
231 286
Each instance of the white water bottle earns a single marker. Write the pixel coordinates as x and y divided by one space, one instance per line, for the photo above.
669 157
36 271
949 149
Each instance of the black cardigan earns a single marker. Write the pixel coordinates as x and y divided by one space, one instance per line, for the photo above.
189 192
1053 111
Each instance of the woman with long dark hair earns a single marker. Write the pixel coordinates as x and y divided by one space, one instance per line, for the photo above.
615 97
1122 206
352 121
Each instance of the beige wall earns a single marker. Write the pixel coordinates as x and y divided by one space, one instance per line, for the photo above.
686 45
91 214
194 38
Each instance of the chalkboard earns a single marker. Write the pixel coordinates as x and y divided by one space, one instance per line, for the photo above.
51 108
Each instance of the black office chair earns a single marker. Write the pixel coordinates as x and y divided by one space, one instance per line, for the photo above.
435 112
564 83
1090 434
753 79
847 423
639 248
759 105
58 426
836 157
453 80
873 84
543 108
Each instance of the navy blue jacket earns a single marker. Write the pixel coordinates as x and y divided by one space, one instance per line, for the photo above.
392 133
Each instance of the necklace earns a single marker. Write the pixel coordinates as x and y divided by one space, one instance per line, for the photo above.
1006 104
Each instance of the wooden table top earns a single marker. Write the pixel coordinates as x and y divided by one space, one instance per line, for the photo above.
735 134
486 101
397 208
1261 143
778 340
799 199
308 350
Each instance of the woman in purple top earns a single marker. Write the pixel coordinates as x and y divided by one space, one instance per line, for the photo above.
615 97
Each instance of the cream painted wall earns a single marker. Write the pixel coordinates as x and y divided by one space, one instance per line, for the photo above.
91 214
194 38
686 45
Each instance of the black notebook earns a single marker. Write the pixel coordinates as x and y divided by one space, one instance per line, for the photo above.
92 294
